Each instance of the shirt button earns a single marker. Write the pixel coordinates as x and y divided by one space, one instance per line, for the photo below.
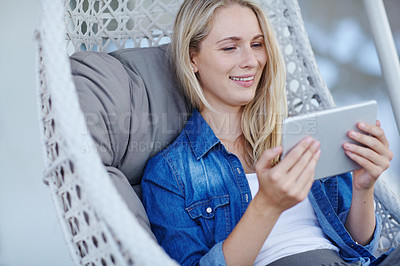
209 210
238 170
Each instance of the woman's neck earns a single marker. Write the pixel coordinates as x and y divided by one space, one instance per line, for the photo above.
226 124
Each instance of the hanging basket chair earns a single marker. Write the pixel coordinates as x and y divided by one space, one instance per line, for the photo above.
103 115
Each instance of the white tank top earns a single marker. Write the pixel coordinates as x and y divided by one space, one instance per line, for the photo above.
297 230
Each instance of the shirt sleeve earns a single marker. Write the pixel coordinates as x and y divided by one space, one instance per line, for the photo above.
373 244
345 184
181 236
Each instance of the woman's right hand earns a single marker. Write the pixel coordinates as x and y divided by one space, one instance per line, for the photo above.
289 182
280 187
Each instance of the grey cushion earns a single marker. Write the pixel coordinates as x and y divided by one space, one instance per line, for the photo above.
129 197
159 111
133 109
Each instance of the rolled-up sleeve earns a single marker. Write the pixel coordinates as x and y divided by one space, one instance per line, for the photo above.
214 257
373 244
164 200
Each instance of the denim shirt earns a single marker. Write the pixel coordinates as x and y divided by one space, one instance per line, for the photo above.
195 192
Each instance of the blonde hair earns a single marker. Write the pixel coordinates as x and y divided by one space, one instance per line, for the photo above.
262 117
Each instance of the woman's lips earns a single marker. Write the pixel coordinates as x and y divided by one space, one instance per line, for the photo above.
244 81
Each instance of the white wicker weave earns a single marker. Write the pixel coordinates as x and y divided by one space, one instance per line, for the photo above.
98 227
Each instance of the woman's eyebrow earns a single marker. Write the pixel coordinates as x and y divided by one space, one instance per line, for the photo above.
236 38
258 36
232 38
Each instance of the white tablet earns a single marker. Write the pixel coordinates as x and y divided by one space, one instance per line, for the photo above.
330 127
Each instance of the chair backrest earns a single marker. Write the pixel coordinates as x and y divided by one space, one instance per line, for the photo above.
115 24
97 224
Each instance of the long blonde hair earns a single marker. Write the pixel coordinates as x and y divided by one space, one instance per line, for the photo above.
262 117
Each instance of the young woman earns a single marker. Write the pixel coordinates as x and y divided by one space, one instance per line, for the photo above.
217 195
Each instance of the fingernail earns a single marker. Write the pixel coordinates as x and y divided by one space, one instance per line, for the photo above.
353 134
316 144
361 125
309 139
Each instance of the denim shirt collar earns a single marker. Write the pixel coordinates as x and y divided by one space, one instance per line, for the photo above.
201 136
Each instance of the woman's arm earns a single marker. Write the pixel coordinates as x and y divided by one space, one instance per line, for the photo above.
180 235
374 158
281 187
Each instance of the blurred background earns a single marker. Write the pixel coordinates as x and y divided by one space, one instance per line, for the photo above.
29 232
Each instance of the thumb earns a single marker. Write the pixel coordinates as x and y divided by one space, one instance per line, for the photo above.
267 157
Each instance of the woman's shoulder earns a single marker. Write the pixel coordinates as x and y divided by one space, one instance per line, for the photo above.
167 168
171 156
180 145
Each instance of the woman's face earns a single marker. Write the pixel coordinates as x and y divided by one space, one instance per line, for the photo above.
231 58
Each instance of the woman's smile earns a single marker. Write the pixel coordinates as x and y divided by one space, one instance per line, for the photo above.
244 81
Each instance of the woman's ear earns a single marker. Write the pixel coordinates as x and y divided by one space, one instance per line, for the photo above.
193 60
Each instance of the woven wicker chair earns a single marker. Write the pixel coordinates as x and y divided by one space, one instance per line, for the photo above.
98 227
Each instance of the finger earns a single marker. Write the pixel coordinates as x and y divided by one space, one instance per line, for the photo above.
308 173
266 158
371 142
295 154
306 179
368 154
371 168
305 159
378 123
374 130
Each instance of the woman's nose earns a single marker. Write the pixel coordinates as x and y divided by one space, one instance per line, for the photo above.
249 58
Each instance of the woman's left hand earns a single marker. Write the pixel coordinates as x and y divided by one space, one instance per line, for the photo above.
374 158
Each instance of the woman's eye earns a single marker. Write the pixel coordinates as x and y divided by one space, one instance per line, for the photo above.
231 48
257 45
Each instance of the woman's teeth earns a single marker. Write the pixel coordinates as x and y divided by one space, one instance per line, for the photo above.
242 79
